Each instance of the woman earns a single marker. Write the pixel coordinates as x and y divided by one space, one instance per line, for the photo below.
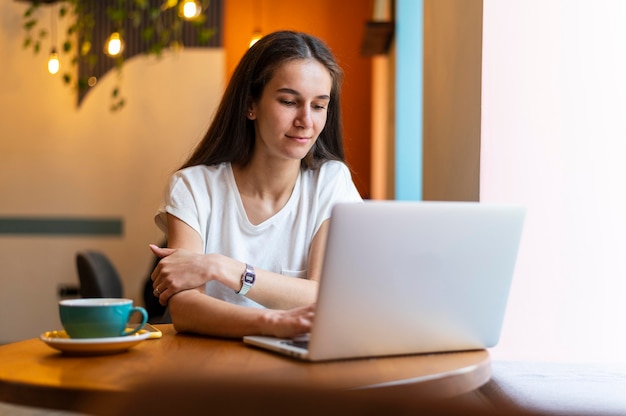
246 216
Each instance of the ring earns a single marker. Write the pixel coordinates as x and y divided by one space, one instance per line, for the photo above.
157 291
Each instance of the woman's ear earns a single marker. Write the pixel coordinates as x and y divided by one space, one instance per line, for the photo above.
251 112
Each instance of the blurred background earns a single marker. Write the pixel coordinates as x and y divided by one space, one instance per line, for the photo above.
508 101
109 169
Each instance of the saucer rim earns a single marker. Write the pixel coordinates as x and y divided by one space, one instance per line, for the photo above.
57 338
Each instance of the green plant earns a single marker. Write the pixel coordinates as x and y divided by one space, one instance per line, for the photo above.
156 23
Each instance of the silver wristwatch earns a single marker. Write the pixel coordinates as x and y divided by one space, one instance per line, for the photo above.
247 280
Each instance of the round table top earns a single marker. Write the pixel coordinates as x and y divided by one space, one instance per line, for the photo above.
33 373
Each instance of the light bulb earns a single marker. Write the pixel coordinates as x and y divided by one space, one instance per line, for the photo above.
256 35
190 9
114 45
53 62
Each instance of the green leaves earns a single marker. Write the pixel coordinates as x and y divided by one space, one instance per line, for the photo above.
204 35
29 24
156 23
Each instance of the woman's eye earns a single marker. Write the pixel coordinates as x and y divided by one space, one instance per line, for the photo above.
288 102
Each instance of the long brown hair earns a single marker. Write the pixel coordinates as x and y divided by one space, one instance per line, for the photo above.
230 137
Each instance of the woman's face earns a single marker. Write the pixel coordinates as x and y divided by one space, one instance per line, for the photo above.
292 110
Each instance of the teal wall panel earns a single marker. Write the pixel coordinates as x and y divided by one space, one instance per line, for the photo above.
409 99
60 226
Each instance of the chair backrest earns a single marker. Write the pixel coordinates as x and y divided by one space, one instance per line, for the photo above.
98 276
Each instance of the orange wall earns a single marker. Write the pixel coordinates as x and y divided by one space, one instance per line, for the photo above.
340 24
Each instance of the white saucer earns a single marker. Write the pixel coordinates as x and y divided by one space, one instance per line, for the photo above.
92 346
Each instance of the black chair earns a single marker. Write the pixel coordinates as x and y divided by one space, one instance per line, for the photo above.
157 313
98 276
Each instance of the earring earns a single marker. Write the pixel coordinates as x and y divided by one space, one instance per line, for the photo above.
250 113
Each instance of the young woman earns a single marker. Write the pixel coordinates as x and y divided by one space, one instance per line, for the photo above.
246 216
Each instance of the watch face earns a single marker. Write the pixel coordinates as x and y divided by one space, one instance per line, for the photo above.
248 278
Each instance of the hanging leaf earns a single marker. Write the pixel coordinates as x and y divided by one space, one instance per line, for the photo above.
92 59
200 20
29 24
168 4
82 83
205 35
148 33
156 49
85 48
136 18
142 4
154 13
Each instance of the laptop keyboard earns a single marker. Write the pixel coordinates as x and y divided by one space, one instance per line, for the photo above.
304 344
301 341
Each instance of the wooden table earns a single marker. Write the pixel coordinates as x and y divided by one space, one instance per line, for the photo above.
32 373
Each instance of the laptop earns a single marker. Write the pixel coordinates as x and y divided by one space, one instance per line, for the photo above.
409 278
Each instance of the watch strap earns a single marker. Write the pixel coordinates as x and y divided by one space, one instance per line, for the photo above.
247 280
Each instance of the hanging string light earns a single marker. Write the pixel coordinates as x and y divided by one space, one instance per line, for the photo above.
114 46
256 33
53 60
189 9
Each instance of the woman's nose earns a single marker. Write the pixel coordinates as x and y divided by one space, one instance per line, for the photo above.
303 118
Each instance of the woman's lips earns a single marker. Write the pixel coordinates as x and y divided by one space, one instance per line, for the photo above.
299 139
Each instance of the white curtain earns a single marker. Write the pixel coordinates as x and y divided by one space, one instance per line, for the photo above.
554 140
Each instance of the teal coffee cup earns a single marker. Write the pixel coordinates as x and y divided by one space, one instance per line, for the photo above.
99 317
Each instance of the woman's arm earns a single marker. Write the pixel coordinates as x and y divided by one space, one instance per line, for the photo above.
277 291
184 267
199 313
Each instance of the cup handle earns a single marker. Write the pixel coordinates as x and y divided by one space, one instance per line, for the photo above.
144 320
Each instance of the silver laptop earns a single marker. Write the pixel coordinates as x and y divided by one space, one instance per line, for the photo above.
410 277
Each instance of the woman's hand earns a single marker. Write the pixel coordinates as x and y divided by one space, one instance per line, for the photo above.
178 270
289 323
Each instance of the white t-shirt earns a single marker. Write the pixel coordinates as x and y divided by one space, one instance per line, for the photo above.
207 199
